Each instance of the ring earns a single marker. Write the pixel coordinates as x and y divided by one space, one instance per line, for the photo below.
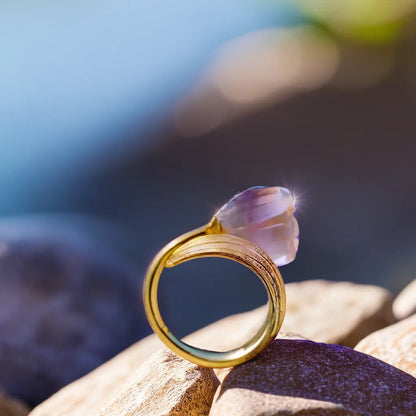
256 228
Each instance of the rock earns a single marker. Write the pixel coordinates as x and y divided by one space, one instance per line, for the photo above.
11 407
320 310
405 303
298 377
90 393
165 385
87 394
336 312
395 345
65 308
232 331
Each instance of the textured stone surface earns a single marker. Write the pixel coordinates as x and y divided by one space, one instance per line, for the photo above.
264 216
341 303
336 312
298 377
89 394
320 310
395 345
405 303
65 308
233 331
166 385
10 407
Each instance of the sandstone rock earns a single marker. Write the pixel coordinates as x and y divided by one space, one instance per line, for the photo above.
341 303
233 331
320 310
395 345
87 395
65 308
90 393
298 377
336 312
226 326
166 385
10 407
405 303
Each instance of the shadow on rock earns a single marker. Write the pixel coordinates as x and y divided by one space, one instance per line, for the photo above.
294 376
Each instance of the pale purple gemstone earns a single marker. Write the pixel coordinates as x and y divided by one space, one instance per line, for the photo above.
264 216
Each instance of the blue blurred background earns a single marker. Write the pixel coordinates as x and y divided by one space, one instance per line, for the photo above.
128 123
77 78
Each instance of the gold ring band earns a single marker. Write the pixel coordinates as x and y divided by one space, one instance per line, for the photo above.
211 241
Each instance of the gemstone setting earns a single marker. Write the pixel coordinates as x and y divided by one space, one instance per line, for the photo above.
264 216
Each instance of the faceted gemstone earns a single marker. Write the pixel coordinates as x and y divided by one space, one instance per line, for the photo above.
264 216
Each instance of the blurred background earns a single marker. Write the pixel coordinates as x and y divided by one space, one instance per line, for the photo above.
125 124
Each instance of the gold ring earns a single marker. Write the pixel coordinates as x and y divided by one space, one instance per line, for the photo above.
255 228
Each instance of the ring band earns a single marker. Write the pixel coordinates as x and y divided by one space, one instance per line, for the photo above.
211 241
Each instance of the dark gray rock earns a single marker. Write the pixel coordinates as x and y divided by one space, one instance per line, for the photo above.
66 306
299 377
